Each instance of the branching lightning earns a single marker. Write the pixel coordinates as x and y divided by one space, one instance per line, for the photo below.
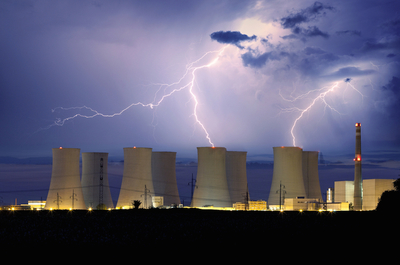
190 70
321 95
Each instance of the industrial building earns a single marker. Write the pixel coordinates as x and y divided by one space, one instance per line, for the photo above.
164 178
137 180
211 183
344 191
372 191
65 190
96 190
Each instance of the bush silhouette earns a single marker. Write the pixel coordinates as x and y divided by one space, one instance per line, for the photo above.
390 199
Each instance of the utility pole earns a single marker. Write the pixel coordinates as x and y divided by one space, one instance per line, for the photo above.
101 185
58 201
280 194
192 183
73 198
145 196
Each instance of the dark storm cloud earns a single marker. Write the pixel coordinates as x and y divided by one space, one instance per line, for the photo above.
305 15
231 37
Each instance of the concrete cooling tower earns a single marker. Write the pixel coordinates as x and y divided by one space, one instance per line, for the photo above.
211 183
310 175
164 177
65 190
287 179
137 182
237 176
96 190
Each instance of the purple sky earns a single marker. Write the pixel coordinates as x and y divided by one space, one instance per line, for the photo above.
279 57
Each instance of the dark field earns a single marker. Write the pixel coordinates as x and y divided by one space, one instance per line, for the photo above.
142 227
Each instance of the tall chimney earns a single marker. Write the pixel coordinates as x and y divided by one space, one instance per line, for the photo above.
358 194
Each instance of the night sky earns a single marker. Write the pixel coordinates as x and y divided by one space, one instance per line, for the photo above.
263 74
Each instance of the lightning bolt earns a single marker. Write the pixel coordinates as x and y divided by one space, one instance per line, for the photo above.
190 71
322 93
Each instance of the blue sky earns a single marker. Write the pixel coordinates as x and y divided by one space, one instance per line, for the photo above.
279 73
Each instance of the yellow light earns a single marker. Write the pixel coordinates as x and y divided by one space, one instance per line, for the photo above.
90 208
70 209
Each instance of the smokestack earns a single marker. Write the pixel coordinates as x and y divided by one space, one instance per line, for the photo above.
357 171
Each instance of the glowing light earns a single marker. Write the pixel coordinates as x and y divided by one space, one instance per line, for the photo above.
358 124
60 147
190 71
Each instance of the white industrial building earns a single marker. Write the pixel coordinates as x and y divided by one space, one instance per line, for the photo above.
344 191
372 191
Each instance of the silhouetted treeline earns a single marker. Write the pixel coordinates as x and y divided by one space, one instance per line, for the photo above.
390 199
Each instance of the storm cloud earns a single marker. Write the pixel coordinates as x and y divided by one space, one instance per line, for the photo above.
231 37
308 14
305 15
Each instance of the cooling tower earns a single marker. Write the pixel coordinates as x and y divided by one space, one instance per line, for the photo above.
357 171
137 182
65 190
96 190
164 177
237 176
287 178
310 175
211 183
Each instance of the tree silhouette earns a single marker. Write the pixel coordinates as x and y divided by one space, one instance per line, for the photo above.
390 199
136 204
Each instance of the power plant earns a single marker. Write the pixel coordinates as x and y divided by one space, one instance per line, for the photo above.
96 190
164 177
149 180
65 190
137 179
